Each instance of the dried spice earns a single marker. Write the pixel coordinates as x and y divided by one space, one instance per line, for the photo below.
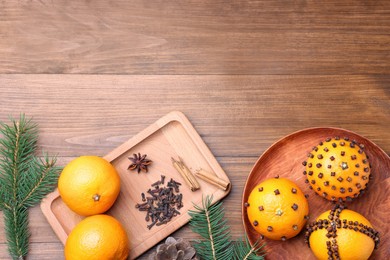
186 174
163 203
139 163
212 179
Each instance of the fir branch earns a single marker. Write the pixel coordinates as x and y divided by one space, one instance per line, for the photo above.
17 149
243 250
16 229
40 179
24 180
208 221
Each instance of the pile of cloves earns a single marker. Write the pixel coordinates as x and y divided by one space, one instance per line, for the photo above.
161 203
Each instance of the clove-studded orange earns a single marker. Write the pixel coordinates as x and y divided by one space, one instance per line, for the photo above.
341 234
89 185
277 209
338 169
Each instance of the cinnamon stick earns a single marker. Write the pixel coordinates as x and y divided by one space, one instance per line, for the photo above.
212 179
193 180
186 174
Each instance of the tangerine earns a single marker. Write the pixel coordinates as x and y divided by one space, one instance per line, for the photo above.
97 237
89 185
277 209
342 234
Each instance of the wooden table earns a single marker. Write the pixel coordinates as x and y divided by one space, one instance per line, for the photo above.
246 73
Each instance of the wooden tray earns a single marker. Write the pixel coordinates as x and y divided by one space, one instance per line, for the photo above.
171 136
285 157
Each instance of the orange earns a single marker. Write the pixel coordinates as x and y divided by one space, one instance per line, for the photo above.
277 209
98 237
354 237
338 169
89 185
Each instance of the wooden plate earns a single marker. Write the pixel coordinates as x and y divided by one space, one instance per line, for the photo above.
285 157
171 136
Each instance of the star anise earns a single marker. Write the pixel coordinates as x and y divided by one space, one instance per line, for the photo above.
139 162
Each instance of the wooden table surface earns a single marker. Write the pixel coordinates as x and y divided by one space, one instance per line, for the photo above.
245 73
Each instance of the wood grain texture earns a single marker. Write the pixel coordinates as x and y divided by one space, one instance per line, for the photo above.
195 37
245 73
235 115
239 117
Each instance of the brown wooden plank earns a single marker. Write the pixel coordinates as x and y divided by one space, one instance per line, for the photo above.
195 37
239 117
235 115
41 251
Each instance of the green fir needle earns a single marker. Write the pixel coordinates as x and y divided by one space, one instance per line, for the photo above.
208 221
24 180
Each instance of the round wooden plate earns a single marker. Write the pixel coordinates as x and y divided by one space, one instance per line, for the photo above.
285 157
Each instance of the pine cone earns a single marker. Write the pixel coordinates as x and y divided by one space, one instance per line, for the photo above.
174 249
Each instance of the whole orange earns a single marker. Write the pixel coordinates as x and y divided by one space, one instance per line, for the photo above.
338 169
341 234
89 185
277 209
97 237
